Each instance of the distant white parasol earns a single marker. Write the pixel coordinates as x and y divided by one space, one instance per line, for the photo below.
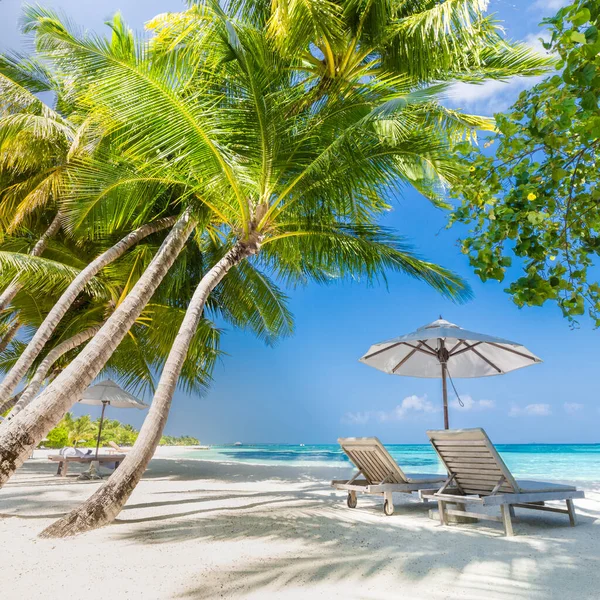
106 393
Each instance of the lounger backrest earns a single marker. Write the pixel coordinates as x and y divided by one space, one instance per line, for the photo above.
470 456
372 459
115 446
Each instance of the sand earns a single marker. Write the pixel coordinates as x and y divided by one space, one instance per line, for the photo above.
198 529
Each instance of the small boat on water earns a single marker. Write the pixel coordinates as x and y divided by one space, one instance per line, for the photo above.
238 444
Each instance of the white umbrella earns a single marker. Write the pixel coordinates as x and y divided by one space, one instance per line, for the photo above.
442 348
108 392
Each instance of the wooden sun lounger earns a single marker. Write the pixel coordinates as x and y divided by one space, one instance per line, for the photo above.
63 461
479 476
380 473
114 447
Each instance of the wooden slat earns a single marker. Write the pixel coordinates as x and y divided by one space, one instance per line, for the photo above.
481 480
479 457
366 465
374 462
488 475
470 457
382 471
484 489
490 471
476 477
546 508
354 458
471 465
488 489
468 451
460 450
378 467
366 458
459 443
473 515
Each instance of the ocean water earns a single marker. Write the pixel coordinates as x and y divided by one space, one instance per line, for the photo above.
556 462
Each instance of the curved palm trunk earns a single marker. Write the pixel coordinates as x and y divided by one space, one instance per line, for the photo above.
14 400
106 503
12 290
25 431
45 330
42 371
8 336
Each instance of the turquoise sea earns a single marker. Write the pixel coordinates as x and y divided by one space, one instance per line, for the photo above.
559 462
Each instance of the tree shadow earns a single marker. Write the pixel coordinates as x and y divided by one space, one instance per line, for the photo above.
339 548
303 538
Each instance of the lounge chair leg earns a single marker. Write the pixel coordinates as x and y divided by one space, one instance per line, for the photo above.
511 510
508 528
571 509
388 504
442 511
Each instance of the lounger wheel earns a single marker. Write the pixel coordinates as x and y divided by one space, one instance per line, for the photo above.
388 508
351 500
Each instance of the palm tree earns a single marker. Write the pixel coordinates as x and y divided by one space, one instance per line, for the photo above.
41 416
35 141
143 352
296 194
36 182
83 278
423 40
82 430
307 204
254 197
50 359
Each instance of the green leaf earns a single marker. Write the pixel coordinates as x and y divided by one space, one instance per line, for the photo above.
583 16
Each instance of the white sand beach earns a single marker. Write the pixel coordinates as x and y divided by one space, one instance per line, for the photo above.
198 529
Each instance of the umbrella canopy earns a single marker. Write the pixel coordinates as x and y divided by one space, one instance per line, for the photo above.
106 393
443 348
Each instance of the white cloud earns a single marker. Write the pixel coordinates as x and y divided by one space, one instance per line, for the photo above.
470 404
487 404
497 96
572 407
534 410
548 6
413 404
410 405
358 418
489 97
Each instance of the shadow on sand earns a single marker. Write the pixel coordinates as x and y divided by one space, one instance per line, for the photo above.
328 546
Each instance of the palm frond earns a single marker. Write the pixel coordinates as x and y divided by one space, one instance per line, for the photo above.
42 276
341 251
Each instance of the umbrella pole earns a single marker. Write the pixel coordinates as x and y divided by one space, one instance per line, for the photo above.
445 396
100 427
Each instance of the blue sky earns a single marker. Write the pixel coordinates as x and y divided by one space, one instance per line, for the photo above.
310 388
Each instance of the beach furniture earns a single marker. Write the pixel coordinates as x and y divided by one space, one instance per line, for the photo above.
63 461
445 350
378 473
478 476
114 447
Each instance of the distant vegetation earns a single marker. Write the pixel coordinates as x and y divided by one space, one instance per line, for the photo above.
83 432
